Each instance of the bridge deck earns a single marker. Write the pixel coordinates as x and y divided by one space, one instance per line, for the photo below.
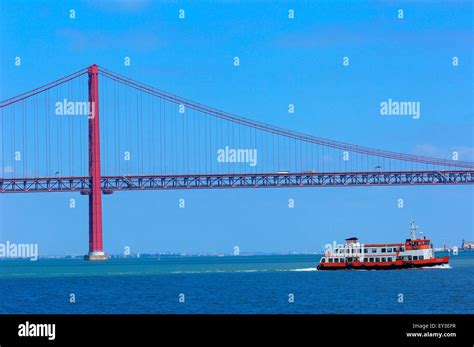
249 180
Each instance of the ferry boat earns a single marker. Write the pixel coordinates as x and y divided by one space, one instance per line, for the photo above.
414 253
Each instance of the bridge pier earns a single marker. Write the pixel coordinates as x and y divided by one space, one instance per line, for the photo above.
96 251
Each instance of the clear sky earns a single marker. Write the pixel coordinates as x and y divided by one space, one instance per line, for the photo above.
282 61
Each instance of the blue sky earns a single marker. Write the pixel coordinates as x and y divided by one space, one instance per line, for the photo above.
283 61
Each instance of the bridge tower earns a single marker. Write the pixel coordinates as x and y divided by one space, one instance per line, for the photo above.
96 251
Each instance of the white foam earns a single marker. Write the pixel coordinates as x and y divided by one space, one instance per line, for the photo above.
305 269
442 266
215 271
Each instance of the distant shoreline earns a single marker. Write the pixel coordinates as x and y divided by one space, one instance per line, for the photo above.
183 255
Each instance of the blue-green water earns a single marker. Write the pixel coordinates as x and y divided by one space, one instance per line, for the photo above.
243 284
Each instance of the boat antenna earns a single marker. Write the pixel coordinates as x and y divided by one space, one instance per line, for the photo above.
413 230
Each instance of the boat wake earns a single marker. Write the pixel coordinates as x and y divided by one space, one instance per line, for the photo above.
305 269
442 266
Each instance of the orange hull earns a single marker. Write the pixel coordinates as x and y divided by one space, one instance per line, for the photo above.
393 265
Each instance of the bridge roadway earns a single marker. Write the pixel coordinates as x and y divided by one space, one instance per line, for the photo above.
109 184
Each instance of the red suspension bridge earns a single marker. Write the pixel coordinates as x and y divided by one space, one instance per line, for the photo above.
148 139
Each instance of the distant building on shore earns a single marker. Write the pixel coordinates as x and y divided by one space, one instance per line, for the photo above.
467 245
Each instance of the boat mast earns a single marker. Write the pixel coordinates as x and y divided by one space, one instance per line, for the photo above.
413 230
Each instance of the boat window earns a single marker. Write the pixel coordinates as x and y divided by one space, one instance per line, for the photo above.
415 257
403 249
420 257
383 250
374 250
323 260
330 260
371 260
365 250
389 258
389 250
383 259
